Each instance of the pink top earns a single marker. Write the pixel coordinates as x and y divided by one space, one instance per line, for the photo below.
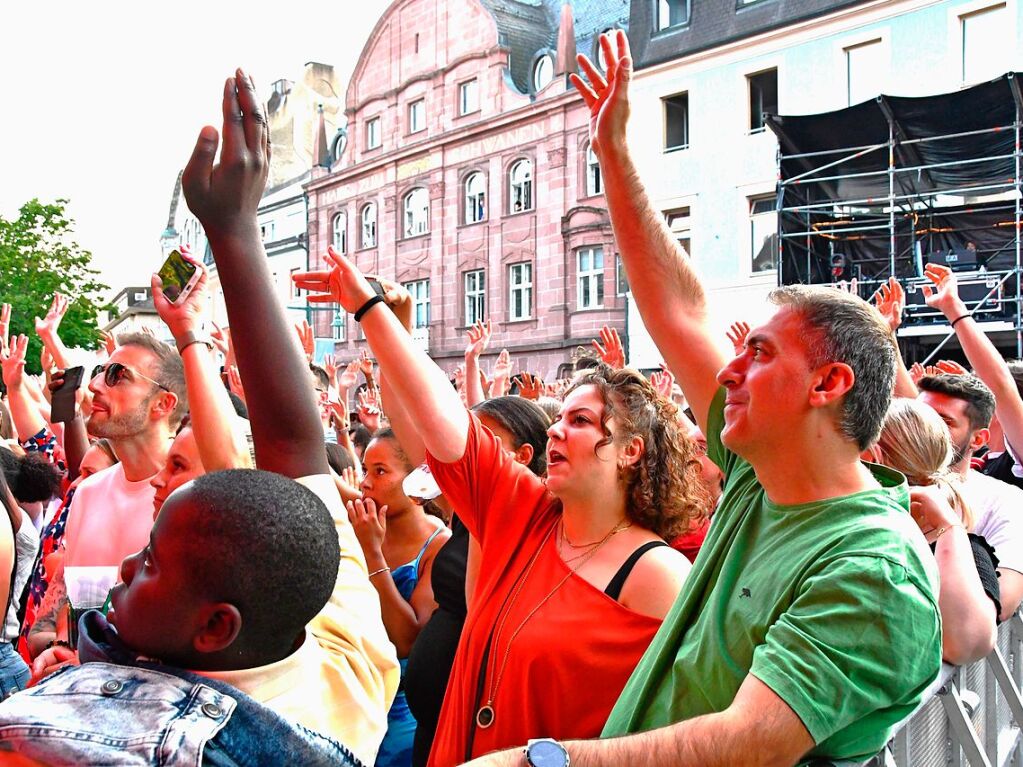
110 519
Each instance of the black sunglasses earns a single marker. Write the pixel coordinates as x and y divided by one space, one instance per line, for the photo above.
115 372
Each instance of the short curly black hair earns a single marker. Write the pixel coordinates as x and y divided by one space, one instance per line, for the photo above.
265 544
31 477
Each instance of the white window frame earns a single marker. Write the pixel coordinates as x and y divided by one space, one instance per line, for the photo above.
664 110
368 225
520 284
266 230
474 287
468 97
373 137
749 98
662 14
621 279
543 72
756 221
420 292
594 179
520 185
1004 47
475 200
416 212
417 115
339 232
589 278
878 43
680 222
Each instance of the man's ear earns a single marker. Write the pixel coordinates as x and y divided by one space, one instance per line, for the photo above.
831 382
219 625
163 405
979 438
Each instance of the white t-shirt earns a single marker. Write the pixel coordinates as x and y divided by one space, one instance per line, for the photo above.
997 515
26 543
343 677
110 518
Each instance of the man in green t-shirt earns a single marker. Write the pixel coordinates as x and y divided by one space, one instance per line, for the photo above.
809 624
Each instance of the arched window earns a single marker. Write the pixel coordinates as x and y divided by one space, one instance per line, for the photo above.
369 225
339 233
475 198
521 186
594 183
417 212
339 146
543 72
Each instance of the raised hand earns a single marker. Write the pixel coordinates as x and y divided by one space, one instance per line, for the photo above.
366 366
737 335
342 284
530 386
607 99
501 374
479 339
46 328
945 294
109 343
609 348
187 314
12 361
916 372
349 377
890 300
234 383
305 338
330 364
368 409
339 416
225 197
663 381
221 338
350 477
369 523
952 368
460 378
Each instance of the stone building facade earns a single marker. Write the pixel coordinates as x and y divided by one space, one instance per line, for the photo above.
465 173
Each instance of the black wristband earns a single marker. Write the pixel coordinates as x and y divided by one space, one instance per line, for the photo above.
960 317
370 303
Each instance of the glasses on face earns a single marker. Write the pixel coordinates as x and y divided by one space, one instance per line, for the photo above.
115 372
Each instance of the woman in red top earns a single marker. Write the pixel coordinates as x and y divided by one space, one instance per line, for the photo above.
575 577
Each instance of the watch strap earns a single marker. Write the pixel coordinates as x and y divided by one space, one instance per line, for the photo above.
190 338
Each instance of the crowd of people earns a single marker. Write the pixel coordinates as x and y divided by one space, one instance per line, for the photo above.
231 554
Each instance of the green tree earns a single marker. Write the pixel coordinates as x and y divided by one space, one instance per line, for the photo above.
38 257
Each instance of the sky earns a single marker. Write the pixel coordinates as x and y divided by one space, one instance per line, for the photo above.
103 102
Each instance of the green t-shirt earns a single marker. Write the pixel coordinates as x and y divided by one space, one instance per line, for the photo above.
831 604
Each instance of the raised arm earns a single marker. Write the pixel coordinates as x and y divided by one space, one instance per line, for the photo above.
24 409
419 386
479 340
668 292
988 365
46 329
224 197
208 402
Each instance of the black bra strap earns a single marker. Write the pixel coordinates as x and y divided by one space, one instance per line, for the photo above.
614 588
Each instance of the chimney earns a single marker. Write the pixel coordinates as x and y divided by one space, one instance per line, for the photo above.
566 40
321 154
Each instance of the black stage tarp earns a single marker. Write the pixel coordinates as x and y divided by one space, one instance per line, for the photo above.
931 216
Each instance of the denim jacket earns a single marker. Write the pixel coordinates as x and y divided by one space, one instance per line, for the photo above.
117 708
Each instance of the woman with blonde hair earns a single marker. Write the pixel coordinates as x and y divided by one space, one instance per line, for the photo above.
915 441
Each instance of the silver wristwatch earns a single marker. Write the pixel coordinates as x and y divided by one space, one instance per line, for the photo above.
546 752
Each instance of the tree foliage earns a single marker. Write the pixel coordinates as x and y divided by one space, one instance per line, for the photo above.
38 257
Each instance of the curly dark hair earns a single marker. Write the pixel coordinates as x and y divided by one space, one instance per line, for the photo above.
664 492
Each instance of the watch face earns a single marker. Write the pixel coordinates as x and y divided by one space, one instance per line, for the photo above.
544 753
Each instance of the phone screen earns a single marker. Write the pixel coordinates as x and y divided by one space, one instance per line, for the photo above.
176 274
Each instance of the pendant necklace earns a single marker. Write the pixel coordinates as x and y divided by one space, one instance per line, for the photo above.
485 715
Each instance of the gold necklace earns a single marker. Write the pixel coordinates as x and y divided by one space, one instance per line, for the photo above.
485 715
564 535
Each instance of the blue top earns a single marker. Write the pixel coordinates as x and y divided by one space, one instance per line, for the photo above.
406 577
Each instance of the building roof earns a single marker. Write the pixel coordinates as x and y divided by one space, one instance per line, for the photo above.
528 27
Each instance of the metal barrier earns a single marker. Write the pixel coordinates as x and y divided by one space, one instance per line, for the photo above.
974 716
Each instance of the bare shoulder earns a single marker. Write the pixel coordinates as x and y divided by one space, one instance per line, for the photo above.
655 582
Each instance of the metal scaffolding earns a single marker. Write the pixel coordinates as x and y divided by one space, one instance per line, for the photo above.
877 189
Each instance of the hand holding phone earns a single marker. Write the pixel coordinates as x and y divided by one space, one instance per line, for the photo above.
179 276
62 396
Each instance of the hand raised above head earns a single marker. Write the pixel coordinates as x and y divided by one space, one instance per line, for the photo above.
607 99
187 314
225 197
343 283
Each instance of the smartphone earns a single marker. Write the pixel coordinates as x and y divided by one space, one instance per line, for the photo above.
179 276
377 287
62 399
